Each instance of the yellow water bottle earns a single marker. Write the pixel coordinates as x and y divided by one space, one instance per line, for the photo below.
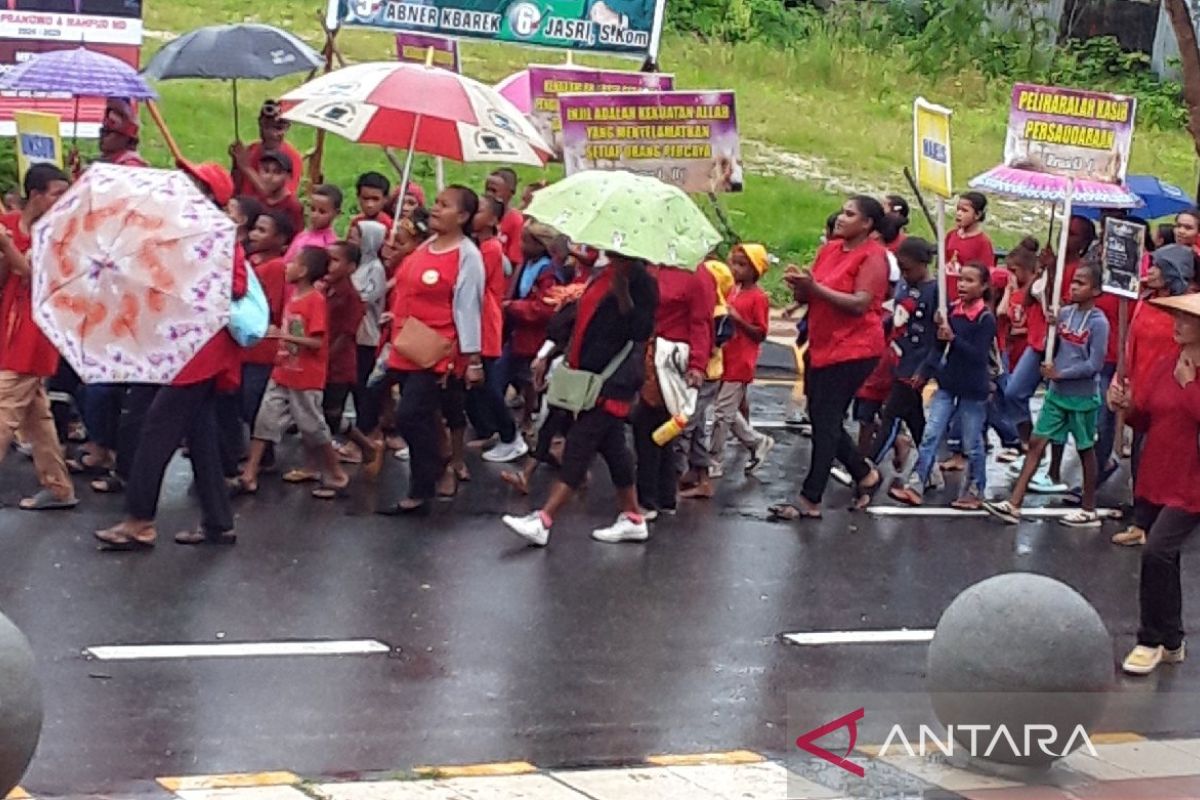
669 430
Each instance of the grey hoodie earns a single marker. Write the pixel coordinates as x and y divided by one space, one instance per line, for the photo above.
1079 352
370 279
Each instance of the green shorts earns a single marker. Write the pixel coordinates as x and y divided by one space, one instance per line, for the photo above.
1073 416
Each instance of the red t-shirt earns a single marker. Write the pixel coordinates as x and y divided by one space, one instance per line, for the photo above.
23 347
345 309
1151 338
965 250
494 286
740 355
271 277
511 228
1110 304
685 312
835 336
255 151
289 205
425 289
382 218
303 367
1170 417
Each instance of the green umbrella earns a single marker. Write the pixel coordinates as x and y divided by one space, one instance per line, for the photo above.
634 215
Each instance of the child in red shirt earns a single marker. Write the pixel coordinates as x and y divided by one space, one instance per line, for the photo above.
749 309
298 382
274 172
345 309
967 243
26 357
502 185
269 238
372 189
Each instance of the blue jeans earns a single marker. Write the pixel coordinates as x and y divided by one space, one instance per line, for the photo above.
1023 382
972 414
997 419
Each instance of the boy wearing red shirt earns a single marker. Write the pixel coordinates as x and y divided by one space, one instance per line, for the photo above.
345 309
269 240
272 129
298 381
26 356
372 189
274 173
749 310
502 185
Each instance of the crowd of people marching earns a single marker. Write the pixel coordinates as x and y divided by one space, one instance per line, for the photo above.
443 316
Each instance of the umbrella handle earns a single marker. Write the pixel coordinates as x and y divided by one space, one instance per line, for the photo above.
155 115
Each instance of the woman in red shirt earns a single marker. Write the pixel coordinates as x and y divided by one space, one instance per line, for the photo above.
967 243
845 291
187 408
441 287
1169 416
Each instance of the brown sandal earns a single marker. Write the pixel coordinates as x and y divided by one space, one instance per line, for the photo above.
789 512
127 536
516 480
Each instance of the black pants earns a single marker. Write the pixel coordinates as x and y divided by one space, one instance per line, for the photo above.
486 408
830 391
136 399
454 403
1160 593
366 400
657 467
231 432
904 404
416 420
596 431
333 405
176 412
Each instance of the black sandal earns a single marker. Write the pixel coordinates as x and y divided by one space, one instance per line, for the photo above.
108 484
399 510
789 512
865 494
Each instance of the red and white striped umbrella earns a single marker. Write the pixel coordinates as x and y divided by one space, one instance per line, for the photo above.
419 108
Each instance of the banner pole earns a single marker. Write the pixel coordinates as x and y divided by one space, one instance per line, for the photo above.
940 232
1060 266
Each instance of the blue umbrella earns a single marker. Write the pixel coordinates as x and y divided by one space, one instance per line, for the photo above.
1162 199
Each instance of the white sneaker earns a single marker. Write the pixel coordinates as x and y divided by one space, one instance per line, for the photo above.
841 475
1014 468
530 528
758 455
1142 660
507 451
1175 656
1041 484
623 530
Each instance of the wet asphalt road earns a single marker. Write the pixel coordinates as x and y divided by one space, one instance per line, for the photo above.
582 653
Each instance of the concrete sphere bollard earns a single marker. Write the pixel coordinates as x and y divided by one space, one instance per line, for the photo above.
1019 650
20 705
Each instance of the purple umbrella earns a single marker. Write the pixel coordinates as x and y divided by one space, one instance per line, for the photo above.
80 73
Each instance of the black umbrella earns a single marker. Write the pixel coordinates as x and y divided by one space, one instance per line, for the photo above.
230 52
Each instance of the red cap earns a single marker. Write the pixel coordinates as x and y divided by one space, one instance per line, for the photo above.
214 177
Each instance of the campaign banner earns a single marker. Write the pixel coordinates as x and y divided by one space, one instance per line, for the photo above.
38 141
30 27
689 139
628 27
414 48
931 147
1070 132
546 83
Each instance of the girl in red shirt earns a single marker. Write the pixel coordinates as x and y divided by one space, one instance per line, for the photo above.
845 291
1169 416
967 243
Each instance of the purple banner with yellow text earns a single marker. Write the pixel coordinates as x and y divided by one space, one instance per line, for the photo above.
1070 132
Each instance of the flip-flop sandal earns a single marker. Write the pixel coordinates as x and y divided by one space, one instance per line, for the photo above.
516 480
463 474
240 486
198 536
905 496
117 538
78 466
865 494
967 504
45 500
301 476
789 512
108 484
329 491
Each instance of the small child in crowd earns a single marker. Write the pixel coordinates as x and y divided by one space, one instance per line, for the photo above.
324 207
298 382
244 210
967 243
274 172
372 190
370 281
960 360
749 310
1073 400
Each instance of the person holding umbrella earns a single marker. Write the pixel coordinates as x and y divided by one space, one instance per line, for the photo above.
272 133
119 134
187 408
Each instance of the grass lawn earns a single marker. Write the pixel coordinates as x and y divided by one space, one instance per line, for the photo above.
846 106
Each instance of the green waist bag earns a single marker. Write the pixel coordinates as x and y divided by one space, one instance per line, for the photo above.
577 390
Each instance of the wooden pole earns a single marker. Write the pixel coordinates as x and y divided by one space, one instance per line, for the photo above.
155 115
318 152
940 232
1059 268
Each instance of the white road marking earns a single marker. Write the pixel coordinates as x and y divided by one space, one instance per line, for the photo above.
901 635
946 511
145 652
